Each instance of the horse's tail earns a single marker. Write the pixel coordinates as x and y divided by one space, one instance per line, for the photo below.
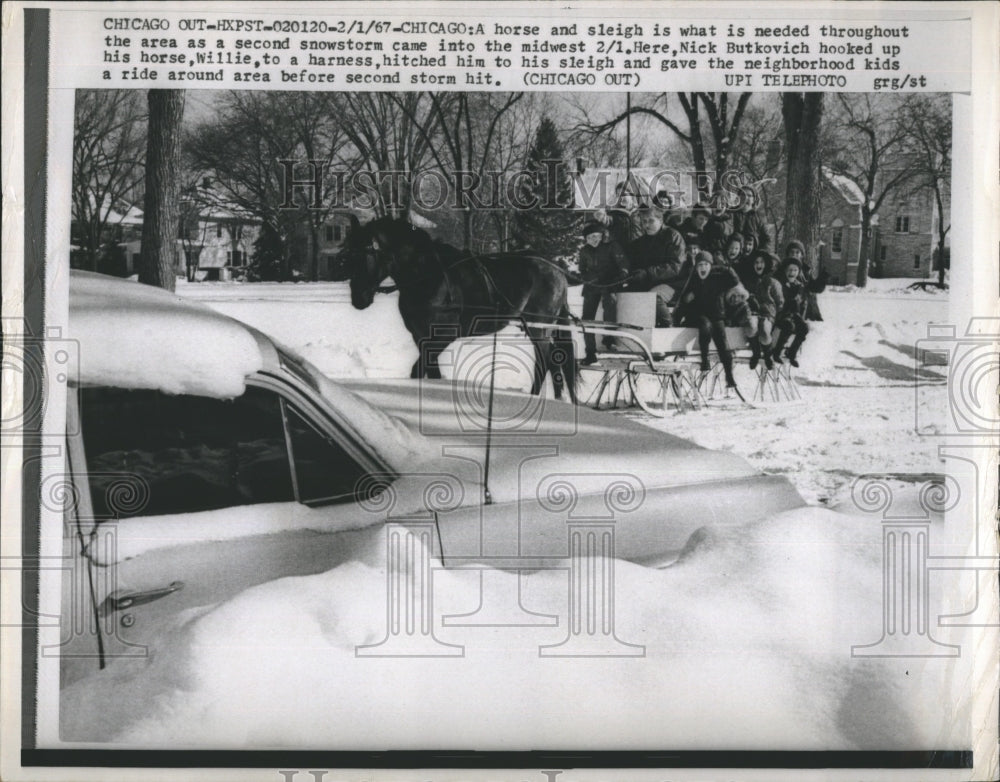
565 349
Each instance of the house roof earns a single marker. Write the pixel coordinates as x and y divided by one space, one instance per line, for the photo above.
120 212
844 187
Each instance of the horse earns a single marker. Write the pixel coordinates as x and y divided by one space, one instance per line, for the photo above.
445 294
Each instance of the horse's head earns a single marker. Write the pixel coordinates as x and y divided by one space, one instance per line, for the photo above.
382 248
365 260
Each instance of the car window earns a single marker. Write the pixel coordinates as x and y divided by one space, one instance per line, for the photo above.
324 472
152 453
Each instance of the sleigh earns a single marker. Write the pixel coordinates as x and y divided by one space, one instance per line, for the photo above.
658 369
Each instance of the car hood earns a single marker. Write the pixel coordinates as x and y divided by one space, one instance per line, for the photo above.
534 440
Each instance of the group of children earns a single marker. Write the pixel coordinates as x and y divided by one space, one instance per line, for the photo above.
707 275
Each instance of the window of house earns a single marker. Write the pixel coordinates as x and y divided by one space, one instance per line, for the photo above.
881 253
218 230
234 258
337 233
150 453
916 260
837 241
329 233
903 224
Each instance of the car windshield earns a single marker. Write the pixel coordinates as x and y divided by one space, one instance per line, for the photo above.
392 440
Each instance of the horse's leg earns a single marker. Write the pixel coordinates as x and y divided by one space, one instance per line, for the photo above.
566 348
540 344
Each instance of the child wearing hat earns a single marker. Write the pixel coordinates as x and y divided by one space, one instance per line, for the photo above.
792 316
734 250
766 300
814 283
703 305
602 266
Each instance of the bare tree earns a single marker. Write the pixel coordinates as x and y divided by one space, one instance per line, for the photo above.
756 154
157 259
319 140
255 149
460 129
723 115
508 155
873 154
383 130
802 113
928 121
108 161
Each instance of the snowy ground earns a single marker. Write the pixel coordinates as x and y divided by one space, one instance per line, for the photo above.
745 642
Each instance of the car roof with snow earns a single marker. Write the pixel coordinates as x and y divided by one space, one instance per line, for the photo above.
137 336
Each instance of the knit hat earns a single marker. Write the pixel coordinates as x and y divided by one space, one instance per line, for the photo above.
734 237
593 227
792 262
704 257
692 237
793 245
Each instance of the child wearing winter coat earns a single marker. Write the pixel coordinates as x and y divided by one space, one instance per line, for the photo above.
602 265
734 250
792 316
766 301
814 282
703 305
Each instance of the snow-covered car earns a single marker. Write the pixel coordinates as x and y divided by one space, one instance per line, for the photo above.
206 459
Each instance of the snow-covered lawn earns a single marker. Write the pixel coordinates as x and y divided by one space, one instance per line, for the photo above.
745 643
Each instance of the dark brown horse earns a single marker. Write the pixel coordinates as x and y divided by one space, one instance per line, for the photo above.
445 294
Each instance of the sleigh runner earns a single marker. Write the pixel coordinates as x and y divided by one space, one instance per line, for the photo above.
659 368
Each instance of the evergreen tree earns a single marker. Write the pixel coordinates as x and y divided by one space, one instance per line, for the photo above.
545 220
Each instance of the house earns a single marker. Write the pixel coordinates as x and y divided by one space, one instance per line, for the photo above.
215 241
905 240
903 233
122 225
330 236
840 227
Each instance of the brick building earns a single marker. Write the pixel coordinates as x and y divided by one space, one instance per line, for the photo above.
905 238
840 228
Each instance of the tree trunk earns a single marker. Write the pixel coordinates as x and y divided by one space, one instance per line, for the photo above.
865 251
157 260
803 114
467 228
942 233
313 251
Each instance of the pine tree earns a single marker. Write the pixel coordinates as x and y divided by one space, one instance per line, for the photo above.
545 220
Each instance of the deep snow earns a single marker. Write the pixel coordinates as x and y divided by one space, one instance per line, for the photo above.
747 638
